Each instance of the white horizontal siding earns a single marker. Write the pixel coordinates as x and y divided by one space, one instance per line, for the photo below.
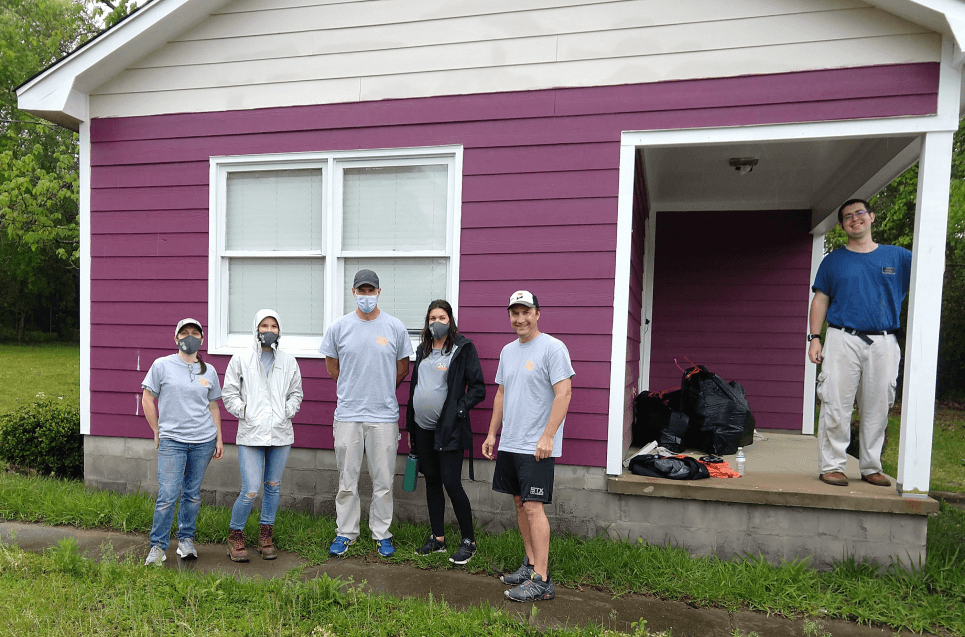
258 53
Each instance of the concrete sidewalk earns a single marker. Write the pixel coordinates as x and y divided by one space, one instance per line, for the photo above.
458 588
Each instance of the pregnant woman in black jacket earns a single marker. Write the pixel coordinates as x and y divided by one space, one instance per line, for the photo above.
447 381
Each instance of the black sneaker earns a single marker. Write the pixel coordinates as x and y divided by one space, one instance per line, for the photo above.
466 550
533 590
432 545
521 575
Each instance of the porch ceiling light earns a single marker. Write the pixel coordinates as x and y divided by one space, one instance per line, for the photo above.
743 165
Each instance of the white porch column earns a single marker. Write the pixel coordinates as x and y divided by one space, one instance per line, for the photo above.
924 313
810 369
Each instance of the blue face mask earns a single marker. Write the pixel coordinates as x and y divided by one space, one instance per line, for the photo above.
367 303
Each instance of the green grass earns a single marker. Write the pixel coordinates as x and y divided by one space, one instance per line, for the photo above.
948 448
31 372
931 597
61 593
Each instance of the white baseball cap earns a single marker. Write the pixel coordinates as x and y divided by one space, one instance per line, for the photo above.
188 321
523 297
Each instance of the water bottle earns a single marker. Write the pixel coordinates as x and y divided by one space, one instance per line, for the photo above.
411 473
741 460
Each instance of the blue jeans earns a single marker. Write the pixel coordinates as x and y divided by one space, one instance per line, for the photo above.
259 465
180 469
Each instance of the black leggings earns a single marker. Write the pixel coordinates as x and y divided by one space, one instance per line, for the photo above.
443 468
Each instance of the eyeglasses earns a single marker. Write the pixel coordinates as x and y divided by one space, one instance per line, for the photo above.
857 214
191 372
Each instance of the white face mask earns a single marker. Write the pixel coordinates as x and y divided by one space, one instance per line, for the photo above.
367 303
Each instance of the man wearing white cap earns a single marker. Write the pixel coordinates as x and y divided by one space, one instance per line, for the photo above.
367 353
531 402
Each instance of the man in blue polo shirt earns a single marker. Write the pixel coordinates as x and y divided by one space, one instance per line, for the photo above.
859 289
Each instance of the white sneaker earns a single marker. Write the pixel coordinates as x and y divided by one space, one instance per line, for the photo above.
156 557
186 550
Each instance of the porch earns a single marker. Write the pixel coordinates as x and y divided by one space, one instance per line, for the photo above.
779 509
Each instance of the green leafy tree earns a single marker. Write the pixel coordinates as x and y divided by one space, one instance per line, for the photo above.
39 186
894 210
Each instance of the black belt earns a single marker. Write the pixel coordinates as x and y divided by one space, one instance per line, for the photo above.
862 334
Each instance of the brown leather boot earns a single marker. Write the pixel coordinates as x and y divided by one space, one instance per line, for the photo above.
236 546
266 542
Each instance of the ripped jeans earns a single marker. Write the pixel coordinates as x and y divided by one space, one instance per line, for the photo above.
259 466
180 469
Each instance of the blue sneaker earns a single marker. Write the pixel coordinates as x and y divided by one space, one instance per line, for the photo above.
385 547
340 545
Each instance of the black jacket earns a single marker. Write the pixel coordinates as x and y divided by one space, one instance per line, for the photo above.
466 389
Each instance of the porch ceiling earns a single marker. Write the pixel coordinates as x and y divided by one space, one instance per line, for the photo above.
814 175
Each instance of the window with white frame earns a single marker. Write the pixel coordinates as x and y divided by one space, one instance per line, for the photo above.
289 232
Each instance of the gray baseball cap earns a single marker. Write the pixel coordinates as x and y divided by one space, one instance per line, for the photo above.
365 277
188 321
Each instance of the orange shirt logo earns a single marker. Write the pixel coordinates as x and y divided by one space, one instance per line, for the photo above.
529 365
381 340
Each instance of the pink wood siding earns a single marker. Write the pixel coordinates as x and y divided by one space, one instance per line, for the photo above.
539 211
731 293
635 317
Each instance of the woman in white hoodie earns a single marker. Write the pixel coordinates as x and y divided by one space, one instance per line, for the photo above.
263 389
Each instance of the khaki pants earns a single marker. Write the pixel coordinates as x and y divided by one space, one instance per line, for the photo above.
853 369
379 441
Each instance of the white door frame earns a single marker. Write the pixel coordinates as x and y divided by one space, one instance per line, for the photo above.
945 121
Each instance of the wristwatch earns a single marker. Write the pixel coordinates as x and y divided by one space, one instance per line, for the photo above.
811 337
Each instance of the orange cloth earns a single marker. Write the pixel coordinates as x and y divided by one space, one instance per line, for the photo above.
720 470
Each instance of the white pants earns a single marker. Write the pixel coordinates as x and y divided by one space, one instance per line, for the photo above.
380 443
854 369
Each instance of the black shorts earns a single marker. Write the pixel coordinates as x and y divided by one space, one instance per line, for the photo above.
520 474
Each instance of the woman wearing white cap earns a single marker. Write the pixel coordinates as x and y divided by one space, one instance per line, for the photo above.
187 433
263 388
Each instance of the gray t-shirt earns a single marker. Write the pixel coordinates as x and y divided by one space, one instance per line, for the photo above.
432 389
183 396
367 353
268 361
527 372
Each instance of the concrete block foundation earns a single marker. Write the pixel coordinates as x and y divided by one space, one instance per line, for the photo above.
704 519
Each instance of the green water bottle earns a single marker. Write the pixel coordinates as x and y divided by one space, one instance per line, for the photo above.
411 472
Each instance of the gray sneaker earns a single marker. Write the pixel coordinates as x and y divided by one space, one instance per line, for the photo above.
533 590
521 575
186 550
156 557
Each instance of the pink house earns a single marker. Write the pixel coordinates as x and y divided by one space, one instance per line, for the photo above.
660 174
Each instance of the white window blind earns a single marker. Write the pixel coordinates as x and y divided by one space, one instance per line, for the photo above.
408 285
274 210
292 287
395 208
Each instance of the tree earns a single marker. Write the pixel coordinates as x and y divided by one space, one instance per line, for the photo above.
894 210
39 187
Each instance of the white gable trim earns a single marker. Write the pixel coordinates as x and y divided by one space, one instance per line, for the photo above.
59 93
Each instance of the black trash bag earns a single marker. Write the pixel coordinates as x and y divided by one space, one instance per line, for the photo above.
720 417
651 415
672 438
685 468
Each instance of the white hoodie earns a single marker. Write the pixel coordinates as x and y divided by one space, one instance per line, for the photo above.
264 405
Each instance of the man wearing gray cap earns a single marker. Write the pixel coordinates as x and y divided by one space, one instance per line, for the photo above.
367 353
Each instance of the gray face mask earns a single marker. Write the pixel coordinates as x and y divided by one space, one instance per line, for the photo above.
189 344
438 330
267 339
